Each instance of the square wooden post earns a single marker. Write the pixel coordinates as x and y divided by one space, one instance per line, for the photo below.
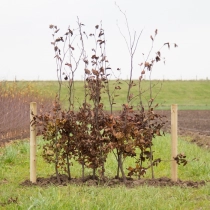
33 109
174 122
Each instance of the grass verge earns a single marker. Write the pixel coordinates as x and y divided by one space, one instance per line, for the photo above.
189 95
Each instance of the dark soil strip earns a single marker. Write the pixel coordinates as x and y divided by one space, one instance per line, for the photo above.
88 181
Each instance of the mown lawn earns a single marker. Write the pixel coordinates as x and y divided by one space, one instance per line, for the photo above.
14 164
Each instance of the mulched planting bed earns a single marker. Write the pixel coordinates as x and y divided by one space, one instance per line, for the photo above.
89 181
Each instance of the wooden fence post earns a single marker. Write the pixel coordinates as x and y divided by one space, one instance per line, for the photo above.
33 109
174 120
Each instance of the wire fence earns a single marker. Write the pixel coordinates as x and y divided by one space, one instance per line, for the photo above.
15 110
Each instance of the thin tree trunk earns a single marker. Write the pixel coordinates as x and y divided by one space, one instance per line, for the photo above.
103 170
118 165
121 168
56 171
67 159
151 163
141 162
68 166
83 170
118 170
94 173
56 161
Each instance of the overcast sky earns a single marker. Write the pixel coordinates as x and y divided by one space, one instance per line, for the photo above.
26 52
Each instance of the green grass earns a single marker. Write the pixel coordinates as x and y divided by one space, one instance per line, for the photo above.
14 164
189 95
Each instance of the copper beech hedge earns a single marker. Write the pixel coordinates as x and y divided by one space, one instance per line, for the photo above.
90 133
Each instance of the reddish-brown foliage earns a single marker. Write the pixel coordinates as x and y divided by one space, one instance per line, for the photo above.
91 133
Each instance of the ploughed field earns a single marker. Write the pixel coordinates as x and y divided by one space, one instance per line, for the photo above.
193 123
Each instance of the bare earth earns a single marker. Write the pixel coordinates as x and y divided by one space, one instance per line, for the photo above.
112 182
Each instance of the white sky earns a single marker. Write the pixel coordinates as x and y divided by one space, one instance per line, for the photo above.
26 52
